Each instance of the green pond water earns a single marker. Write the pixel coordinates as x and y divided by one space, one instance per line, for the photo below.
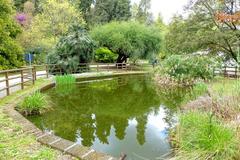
125 114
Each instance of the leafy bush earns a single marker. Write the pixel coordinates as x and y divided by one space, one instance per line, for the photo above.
10 50
128 39
202 136
65 79
187 69
105 55
74 48
33 104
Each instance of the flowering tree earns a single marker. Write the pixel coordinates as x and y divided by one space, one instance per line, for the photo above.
46 27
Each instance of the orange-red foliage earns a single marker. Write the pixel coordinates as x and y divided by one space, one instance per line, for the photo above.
224 17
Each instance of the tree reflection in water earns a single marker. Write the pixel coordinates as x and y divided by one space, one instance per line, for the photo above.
99 112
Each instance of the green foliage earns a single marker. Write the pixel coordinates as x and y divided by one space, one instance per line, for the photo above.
19 4
202 136
85 7
33 104
105 55
49 25
65 85
128 39
10 50
199 89
225 87
108 10
65 79
187 69
74 48
143 12
201 31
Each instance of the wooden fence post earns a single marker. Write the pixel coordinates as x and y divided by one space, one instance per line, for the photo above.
7 84
97 68
22 80
236 71
225 71
33 75
47 73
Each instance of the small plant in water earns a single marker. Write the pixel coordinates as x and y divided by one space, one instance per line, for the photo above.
33 104
65 79
65 84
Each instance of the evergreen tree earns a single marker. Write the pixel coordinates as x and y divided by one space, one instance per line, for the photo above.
85 7
109 10
144 14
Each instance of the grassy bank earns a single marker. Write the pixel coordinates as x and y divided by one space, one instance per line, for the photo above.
14 143
212 133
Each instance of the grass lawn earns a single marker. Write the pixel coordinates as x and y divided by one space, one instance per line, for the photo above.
14 143
225 86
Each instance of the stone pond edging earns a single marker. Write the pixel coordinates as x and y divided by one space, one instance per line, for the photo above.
51 140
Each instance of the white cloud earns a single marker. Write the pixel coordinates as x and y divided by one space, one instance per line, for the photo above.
167 8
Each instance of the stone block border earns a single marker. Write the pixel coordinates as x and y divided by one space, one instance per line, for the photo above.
51 140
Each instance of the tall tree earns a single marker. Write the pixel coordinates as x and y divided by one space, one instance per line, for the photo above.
144 14
206 29
46 28
85 7
10 50
128 39
108 10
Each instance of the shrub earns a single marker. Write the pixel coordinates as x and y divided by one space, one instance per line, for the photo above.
74 48
203 136
105 55
187 69
33 104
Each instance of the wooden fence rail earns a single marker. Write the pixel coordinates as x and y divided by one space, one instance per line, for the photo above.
28 75
227 71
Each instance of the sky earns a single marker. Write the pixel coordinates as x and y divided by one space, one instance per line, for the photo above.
167 8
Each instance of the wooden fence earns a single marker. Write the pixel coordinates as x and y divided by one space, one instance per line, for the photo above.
226 71
10 79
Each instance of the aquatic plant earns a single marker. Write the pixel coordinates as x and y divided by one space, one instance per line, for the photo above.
33 104
65 79
65 84
201 135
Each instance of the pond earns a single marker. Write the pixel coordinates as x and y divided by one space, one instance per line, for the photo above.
125 114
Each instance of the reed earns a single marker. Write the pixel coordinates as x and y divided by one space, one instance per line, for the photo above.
65 79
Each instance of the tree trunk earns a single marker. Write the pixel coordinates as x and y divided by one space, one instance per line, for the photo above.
122 58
